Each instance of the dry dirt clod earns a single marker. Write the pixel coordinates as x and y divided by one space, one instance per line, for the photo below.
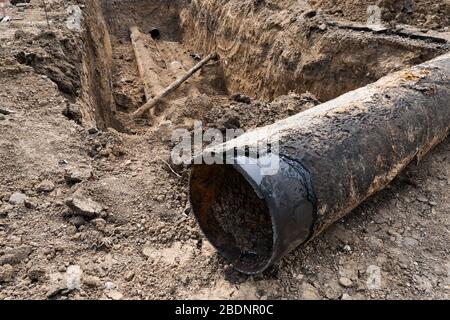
15 256
99 223
6 273
92 281
73 112
36 274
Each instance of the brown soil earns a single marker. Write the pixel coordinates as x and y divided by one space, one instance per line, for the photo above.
428 14
62 85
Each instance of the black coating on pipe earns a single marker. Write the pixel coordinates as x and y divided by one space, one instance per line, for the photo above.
335 155
289 197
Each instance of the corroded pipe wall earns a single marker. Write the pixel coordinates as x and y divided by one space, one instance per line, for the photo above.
335 155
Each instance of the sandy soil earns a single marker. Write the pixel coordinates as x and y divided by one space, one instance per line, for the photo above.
137 237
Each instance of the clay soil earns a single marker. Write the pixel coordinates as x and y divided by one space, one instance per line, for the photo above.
68 86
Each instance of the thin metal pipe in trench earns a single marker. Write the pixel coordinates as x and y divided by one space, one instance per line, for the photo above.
331 158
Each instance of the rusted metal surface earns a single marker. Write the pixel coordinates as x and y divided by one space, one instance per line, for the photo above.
334 156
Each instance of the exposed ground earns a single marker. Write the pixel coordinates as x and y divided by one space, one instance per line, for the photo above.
137 238
427 14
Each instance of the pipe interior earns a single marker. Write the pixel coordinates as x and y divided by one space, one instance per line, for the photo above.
235 220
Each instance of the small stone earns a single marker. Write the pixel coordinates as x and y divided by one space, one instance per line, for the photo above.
77 221
45 186
347 248
6 273
84 206
17 198
345 282
36 273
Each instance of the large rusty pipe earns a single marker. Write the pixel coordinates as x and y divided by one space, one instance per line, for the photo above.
332 157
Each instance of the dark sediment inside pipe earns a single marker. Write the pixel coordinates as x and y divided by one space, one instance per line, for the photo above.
237 219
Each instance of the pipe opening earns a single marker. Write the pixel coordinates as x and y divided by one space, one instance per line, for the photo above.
232 216
155 33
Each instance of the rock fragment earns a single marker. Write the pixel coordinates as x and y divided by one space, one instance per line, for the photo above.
84 206
17 198
45 186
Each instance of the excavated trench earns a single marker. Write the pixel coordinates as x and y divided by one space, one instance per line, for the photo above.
265 52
